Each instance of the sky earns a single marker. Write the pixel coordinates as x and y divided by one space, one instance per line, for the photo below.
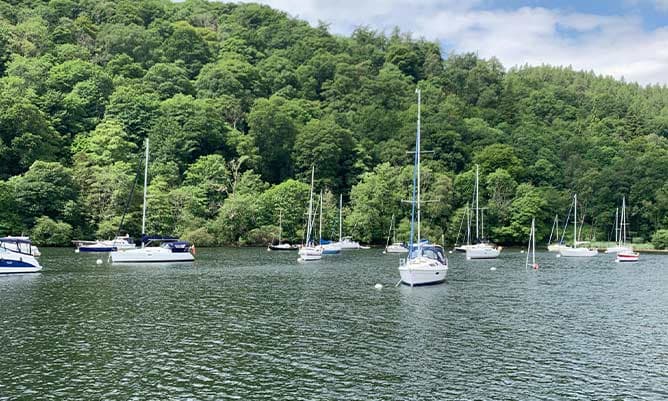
623 38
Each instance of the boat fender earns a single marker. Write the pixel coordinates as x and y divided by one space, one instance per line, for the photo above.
535 266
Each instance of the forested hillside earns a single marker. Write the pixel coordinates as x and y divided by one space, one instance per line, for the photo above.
239 101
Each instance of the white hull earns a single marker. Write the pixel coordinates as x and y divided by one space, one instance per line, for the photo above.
422 271
556 247
330 249
150 255
578 252
11 262
628 257
307 254
347 244
396 249
482 252
618 248
463 248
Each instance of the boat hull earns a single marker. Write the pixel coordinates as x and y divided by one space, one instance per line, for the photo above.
11 262
308 254
422 271
482 252
556 247
281 247
150 255
626 257
578 252
396 249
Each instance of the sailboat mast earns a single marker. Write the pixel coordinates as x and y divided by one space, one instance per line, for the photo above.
280 224
622 239
340 216
575 220
477 235
143 213
533 241
310 209
417 149
616 226
556 221
320 225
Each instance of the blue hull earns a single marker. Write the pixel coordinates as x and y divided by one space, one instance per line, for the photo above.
13 263
331 252
97 249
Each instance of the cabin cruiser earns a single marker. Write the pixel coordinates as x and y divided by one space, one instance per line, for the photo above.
16 256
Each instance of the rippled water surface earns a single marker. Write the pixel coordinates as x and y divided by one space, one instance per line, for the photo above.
249 324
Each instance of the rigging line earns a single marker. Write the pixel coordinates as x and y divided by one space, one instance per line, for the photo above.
132 191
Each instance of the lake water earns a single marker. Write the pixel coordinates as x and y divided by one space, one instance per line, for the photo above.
253 325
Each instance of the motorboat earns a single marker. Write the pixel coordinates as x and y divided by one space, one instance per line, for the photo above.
118 243
283 246
348 243
34 251
16 256
396 247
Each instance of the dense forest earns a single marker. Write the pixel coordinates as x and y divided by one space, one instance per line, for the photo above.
240 100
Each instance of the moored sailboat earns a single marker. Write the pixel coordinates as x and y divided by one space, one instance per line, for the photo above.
309 251
426 263
480 250
153 249
576 251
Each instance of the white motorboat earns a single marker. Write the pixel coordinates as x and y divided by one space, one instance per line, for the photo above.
16 256
153 249
575 251
425 263
34 251
118 243
396 247
556 247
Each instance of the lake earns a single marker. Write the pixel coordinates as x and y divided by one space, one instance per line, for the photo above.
253 325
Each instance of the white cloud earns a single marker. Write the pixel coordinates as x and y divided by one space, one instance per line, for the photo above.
609 45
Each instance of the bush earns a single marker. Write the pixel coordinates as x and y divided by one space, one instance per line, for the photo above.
200 237
261 236
660 239
47 232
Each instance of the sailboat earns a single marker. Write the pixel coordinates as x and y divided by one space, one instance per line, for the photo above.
625 254
309 251
575 251
328 247
467 245
426 263
281 246
394 247
557 246
481 250
154 249
346 242
531 248
620 231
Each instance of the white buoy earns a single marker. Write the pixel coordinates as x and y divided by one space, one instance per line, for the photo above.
492 268
558 255
378 286
449 251
99 261
522 251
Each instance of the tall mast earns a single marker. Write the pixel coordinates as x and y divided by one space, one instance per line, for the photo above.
280 224
556 220
143 214
340 216
417 149
310 209
320 225
533 241
617 227
575 220
622 239
477 235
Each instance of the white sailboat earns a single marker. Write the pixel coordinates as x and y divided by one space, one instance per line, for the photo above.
327 247
426 263
156 249
620 232
625 254
467 245
394 247
309 251
481 250
559 245
575 251
281 246
531 248
346 243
